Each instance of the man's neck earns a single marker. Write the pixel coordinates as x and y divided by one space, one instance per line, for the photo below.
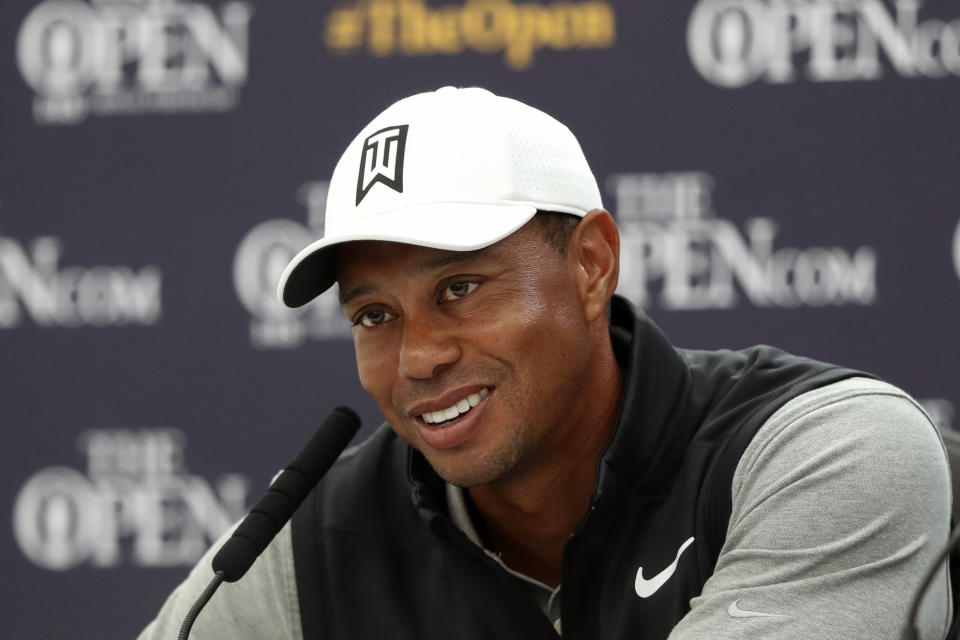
528 518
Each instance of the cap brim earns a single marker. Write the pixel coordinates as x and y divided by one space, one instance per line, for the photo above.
450 226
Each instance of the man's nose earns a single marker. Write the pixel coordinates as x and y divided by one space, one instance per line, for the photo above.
427 349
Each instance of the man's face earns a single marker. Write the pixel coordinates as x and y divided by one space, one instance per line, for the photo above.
475 358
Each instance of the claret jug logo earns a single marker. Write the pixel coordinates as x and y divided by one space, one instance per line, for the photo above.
107 57
382 160
413 28
677 254
257 265
733 43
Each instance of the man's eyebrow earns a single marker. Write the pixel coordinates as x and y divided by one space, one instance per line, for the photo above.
355 292
447 259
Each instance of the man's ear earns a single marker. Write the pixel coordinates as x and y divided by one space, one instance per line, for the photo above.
594 253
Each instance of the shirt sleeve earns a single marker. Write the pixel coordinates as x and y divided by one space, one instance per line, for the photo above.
840 503
261 605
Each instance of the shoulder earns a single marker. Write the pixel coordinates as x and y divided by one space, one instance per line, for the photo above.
867 426
839 503
262 604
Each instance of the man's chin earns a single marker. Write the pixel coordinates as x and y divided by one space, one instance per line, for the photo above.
465 470
464 477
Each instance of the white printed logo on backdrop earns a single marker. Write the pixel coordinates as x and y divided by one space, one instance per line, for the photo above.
34 286
135 504
678 255
258 264
733 43
110 57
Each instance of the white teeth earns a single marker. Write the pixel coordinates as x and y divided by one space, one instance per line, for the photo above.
461 407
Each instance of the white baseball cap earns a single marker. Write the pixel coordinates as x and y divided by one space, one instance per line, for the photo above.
454 169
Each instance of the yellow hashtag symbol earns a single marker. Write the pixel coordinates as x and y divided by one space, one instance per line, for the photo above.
344 30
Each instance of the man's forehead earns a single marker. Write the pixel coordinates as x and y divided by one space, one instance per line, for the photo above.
415 257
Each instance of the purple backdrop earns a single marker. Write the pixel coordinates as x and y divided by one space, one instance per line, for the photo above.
782 172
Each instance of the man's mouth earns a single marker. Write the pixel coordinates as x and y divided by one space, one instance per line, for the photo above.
451 414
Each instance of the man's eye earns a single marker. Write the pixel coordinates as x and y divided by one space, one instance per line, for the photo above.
372 318
458 290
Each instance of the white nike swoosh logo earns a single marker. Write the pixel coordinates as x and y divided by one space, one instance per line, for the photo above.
646 588
736 612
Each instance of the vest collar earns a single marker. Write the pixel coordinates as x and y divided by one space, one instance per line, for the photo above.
650 434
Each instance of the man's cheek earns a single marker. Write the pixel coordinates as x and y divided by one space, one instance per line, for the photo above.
374 378
375 358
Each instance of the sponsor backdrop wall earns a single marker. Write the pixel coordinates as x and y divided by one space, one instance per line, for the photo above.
783 172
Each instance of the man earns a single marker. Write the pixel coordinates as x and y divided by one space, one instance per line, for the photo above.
552 464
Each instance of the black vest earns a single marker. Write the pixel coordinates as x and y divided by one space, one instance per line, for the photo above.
378 557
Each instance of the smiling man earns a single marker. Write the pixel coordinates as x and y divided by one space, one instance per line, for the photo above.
550 463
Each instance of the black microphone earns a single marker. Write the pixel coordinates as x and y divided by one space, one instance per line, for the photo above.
286 493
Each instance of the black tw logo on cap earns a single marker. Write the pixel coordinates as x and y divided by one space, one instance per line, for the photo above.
382 160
